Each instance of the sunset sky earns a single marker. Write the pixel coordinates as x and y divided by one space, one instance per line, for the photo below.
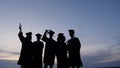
96 23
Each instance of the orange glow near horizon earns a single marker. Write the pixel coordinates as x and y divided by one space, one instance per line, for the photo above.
7 56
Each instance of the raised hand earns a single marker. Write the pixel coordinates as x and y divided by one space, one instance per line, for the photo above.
20 26
46 31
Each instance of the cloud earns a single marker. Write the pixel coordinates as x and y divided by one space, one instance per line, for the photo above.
112 64
6 55
97 61
106 57
4 51
113 51
115 47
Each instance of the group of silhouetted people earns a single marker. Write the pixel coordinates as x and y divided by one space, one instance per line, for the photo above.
67 53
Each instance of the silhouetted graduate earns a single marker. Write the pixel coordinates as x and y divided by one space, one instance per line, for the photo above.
74 46
37 50
49 55
25 55
61 52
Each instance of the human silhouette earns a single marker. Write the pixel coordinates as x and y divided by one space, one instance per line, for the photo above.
61 52
74 46
37 50
49 55
25 54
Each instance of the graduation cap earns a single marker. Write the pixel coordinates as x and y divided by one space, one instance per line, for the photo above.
38 34
51 32
71 31
60 34
29 33
61 37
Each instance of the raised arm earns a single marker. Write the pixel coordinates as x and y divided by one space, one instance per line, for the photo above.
20 34
20 27
44 35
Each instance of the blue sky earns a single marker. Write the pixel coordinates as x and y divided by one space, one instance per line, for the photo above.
96 23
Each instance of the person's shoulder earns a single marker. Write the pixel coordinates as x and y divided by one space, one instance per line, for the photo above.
69 40
53 40
76 38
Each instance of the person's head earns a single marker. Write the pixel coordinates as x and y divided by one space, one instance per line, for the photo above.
71 32
29 35
61 37
38 36
51 33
